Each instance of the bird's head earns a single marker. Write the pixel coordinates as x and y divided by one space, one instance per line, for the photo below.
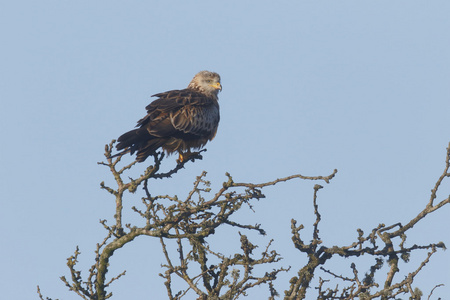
207 83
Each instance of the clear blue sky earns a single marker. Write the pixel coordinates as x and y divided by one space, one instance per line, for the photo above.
308 86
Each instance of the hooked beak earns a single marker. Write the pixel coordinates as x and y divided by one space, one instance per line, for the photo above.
217 86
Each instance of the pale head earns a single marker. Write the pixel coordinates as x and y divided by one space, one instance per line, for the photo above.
207 83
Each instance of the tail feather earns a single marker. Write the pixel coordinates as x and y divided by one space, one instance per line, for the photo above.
150 148
129 139
140 141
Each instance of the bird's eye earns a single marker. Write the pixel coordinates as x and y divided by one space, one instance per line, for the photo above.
209 81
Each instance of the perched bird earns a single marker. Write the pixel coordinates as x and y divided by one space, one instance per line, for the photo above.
179 120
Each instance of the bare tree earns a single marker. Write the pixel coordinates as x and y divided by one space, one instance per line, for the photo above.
209 274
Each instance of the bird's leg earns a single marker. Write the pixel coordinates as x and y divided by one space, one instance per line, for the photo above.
182 157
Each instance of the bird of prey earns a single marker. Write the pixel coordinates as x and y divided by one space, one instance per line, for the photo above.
179 120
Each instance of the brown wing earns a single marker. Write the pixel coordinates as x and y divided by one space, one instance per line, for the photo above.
181 113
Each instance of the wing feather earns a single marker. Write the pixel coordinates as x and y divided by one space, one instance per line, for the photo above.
181 111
